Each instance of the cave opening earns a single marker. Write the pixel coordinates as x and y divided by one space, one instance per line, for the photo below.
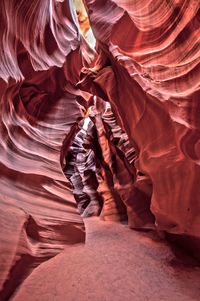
84 24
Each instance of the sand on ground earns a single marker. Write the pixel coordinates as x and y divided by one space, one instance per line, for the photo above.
115 264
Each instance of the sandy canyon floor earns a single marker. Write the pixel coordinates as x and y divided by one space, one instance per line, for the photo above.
115 264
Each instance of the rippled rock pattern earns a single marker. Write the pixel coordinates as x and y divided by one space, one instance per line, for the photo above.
39 117
118 136
81 169
146 64
120 184
71 171
148 68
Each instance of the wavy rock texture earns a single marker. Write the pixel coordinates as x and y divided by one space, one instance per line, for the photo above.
39 116
148 68
130 186
120 184
81 170
100 165
72 173
146 64
32 185
113 207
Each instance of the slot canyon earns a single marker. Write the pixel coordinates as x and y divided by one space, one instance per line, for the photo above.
100 150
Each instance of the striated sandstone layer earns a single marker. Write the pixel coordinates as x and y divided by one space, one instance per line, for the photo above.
148 68
41 56
147 65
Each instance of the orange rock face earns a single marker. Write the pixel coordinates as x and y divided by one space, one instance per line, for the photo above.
147 65
39 116
151 78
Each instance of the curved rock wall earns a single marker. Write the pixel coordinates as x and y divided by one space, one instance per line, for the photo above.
149 70
39 117
146 64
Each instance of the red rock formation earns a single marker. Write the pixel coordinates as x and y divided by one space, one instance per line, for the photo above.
39 116
81 170
147 66
150 74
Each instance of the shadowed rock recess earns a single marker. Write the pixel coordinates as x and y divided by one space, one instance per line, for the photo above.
99 116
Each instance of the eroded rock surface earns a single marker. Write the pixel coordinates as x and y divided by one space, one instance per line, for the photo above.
148 68
39 115
147 65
